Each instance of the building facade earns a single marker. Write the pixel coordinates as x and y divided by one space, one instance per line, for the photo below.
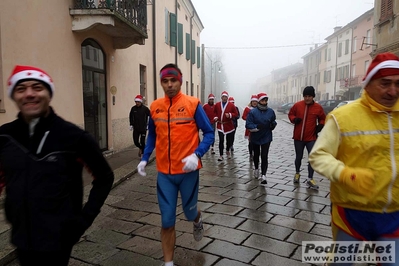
386 27
100 54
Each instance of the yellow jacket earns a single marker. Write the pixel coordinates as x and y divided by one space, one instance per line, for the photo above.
361 134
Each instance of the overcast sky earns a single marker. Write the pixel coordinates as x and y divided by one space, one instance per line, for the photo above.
267 23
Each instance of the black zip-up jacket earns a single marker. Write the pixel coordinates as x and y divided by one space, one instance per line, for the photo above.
42 174
138 118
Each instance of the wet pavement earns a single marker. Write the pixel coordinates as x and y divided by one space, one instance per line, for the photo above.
245 223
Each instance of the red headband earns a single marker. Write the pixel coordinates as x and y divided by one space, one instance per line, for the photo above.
171 72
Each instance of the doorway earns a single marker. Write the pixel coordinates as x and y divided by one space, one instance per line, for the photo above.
94 92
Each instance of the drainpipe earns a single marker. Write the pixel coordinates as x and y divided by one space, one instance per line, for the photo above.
154 50
177 21
336 68
191 61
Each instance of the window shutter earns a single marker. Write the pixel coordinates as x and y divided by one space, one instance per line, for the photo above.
198 57
389 8
193 52
180 38
166 26
188 46
383 15
173 29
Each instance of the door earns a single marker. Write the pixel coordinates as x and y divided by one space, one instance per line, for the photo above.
94 92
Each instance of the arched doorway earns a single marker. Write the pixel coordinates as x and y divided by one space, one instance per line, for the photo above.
94 92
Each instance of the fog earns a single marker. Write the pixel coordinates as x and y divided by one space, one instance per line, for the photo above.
246 40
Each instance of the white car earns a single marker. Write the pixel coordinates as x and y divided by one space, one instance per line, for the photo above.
343 103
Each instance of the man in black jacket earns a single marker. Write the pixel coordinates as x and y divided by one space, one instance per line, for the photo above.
138 118
41 163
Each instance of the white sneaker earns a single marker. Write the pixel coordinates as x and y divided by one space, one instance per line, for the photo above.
256 173
198 230
263 182
220 158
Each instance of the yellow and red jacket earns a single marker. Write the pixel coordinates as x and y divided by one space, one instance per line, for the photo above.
361 134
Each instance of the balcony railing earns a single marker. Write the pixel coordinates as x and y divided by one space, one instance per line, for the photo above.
135 11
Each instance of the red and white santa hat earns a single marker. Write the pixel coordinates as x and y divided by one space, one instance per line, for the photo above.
138 98
383 65
224 93
231 99
262 95
254 97
211 97
21 73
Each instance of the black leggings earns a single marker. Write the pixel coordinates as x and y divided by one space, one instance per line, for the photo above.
229 140
263 151
139 139
299 147
44 258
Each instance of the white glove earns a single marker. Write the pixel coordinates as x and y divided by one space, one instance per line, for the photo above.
253 130
191 163
131 128
141 168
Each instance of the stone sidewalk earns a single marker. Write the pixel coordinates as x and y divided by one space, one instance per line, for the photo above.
245 223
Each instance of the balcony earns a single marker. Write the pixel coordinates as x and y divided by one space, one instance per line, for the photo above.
125 21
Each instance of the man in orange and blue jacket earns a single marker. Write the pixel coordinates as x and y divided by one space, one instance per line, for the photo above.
173 130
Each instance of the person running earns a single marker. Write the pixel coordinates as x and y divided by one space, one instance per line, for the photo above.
223 116
358 152
138 118
308 118
173 130
252 104
41 161
235 122
209 110
261 121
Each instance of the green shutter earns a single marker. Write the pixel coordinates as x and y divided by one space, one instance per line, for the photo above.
166 26
173 30
198 57
180 38
188 46
193 52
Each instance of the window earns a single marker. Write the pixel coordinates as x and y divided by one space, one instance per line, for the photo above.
329 54
346 46
386 9
366 65
173 29
193 52
188 46
198 57
340 49
368 38
354 44
325 55
180 38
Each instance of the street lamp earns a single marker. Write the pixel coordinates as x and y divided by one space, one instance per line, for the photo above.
212 68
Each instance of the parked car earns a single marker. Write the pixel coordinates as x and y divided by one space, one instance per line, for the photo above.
328 105
284 108
343 103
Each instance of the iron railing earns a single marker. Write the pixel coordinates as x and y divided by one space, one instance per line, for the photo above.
135 11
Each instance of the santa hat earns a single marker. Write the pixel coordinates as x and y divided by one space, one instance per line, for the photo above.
21 73
231 99
224 93
383 65
254 97
138 98
262 95
211 97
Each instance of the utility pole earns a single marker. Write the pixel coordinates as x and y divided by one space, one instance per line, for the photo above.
202 99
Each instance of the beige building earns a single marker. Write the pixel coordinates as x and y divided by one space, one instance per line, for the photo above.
386 27
100 54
